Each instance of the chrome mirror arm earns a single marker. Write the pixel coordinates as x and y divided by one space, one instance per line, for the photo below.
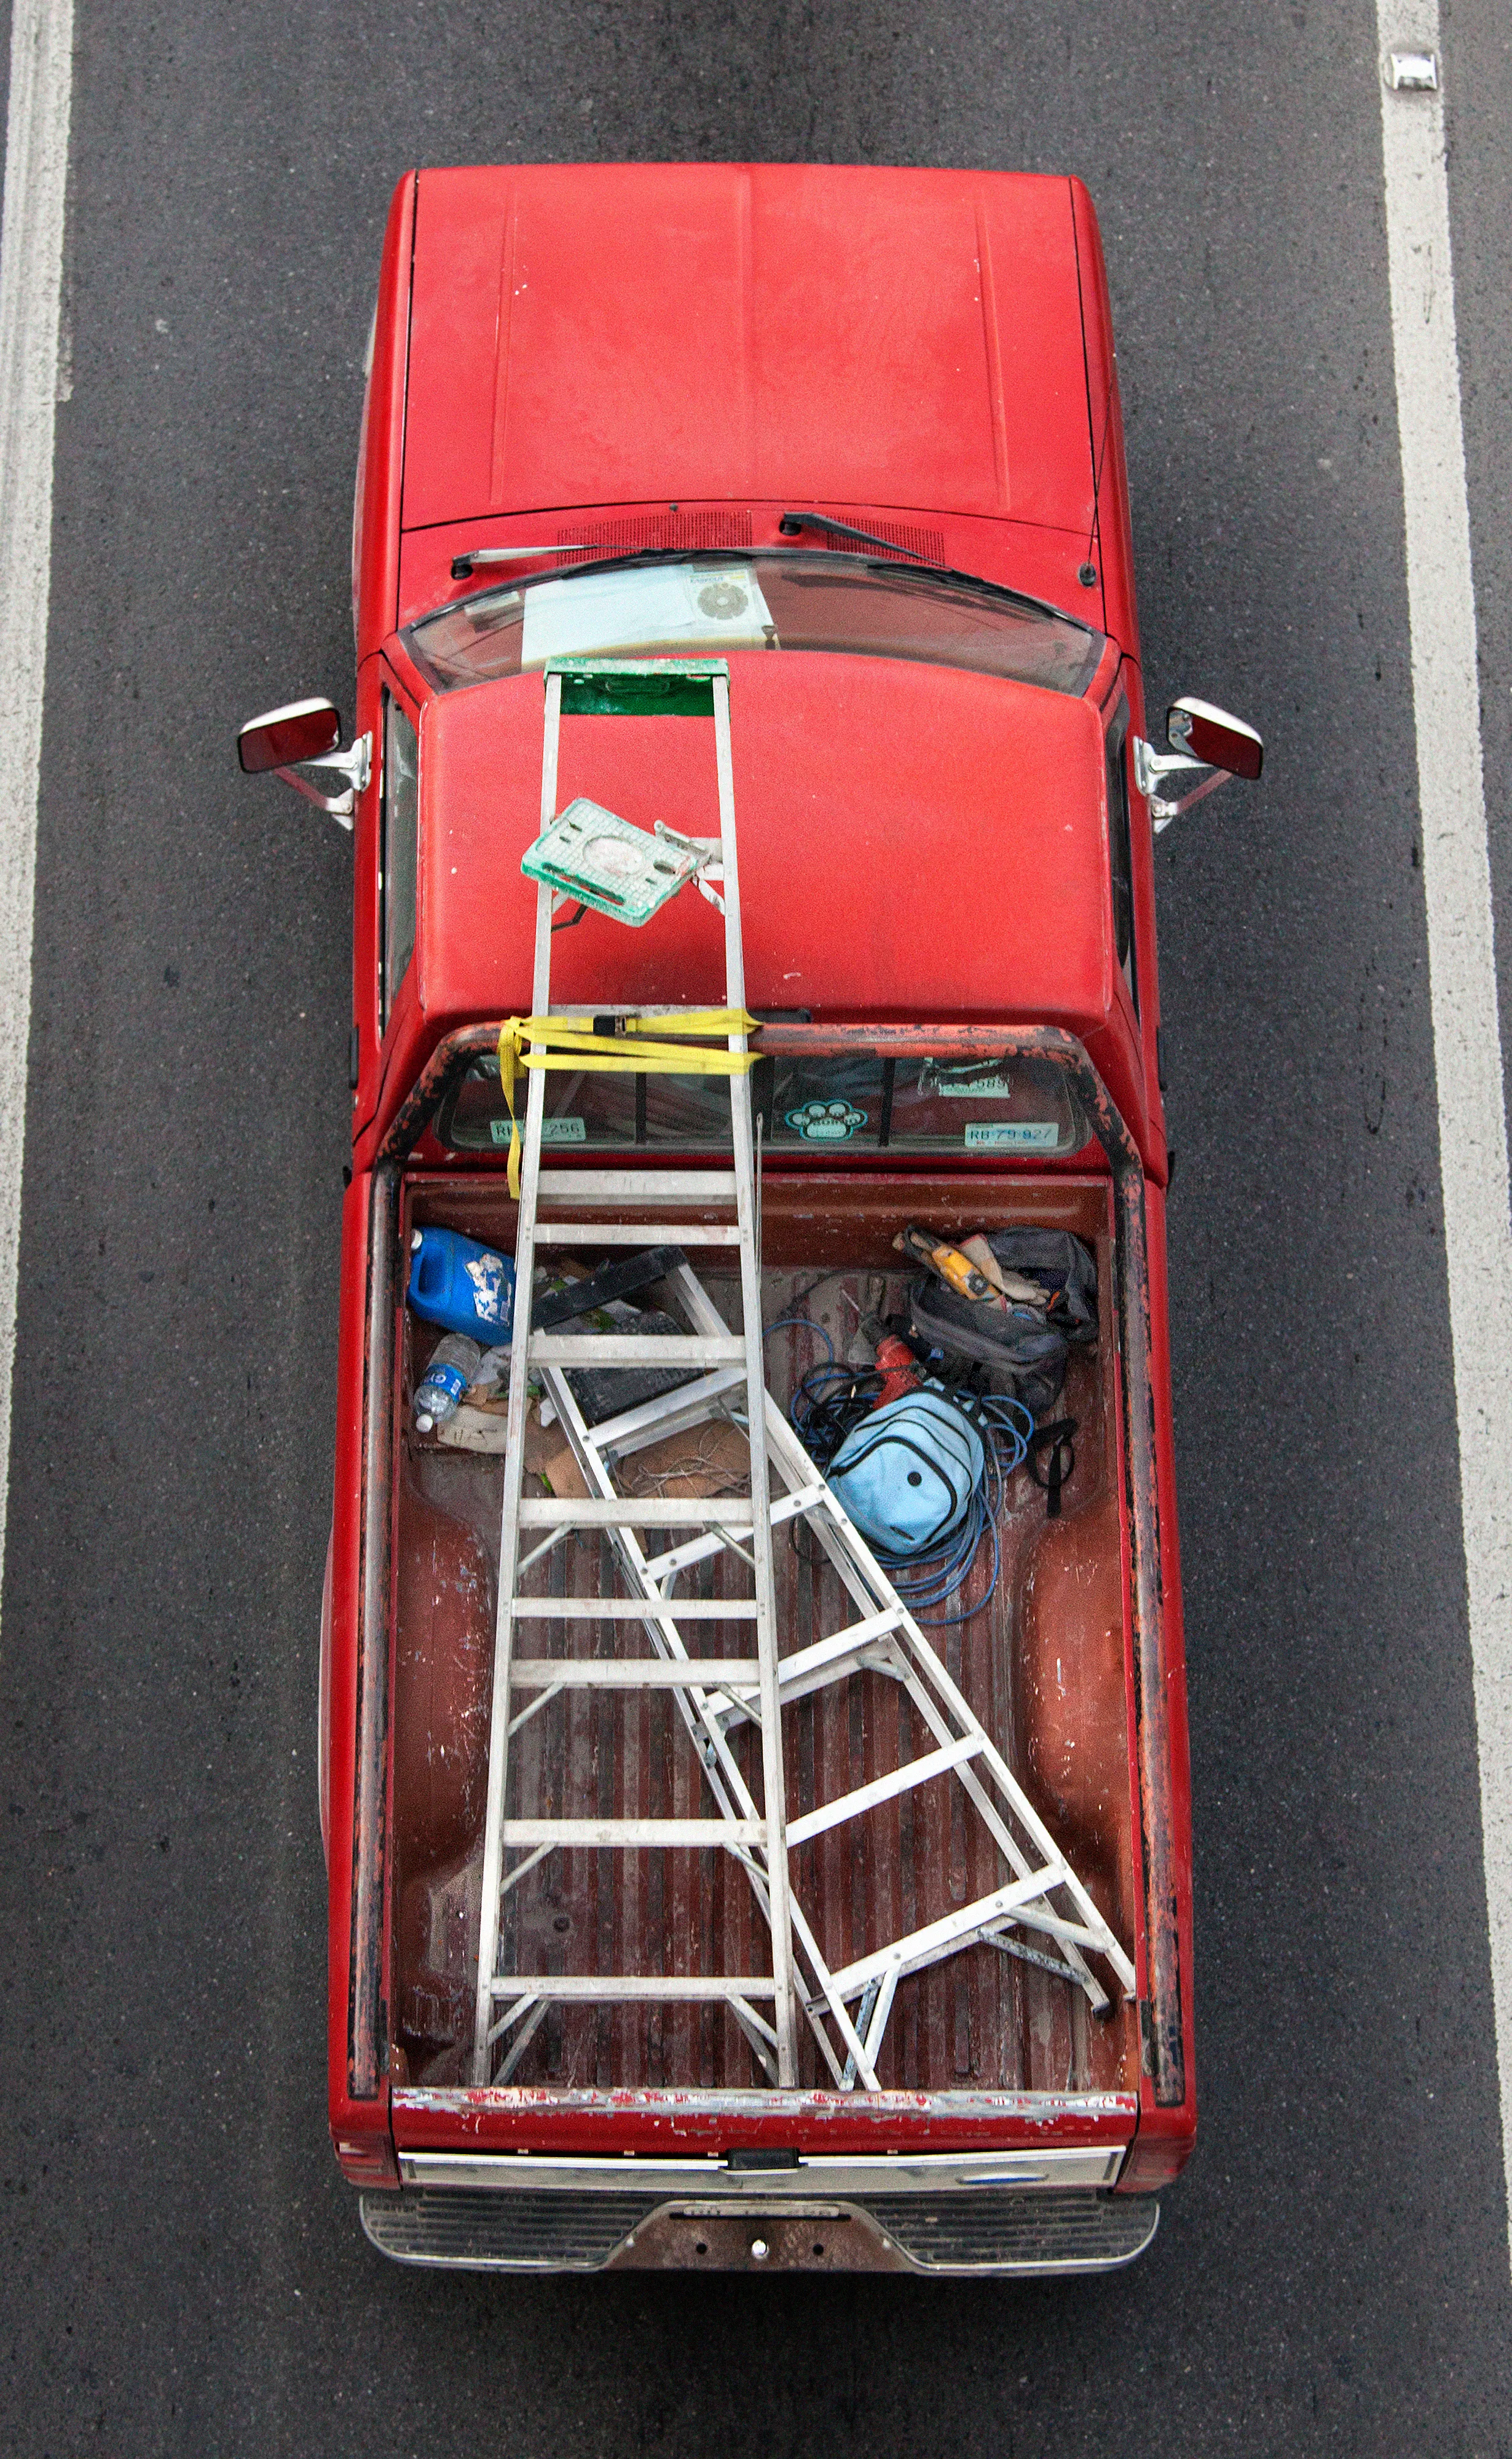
1151 768
1163 812
354 764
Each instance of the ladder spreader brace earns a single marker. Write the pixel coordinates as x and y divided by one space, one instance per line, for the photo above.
712 1695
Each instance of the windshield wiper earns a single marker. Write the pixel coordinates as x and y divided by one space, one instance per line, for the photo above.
462 565
794 524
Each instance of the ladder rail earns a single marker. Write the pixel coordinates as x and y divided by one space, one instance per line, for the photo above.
773 1774
514 1432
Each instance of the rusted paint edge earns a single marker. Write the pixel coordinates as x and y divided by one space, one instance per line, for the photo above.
672 2102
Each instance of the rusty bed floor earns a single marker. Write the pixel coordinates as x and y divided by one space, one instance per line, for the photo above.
982 2020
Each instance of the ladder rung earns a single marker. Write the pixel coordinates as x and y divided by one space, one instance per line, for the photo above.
633 1985
632 1673
690 1405
943 1937
634 1609
630 1349
631 1834
633 1512
701 1548
638 1233
637 1186
810 1667
884 1788
831 1660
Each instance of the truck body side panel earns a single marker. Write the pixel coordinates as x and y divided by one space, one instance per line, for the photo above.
358 1691
1167 2133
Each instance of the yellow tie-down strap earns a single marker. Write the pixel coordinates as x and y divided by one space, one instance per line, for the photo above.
579 1048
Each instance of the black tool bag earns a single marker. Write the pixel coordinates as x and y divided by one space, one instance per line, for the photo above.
1027 1347
1063 1267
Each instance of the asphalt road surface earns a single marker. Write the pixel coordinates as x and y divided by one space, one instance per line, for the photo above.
182 2270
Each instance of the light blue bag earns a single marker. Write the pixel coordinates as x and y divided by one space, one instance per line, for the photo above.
907 1474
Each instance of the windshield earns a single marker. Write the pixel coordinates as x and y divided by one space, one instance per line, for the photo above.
697 605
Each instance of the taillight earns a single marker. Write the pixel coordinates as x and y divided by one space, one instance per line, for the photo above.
1153 2161
367 2159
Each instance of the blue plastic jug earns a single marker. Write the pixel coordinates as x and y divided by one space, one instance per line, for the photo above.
468 1288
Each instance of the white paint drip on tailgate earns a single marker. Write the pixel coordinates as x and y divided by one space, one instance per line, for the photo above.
30 292
1457 881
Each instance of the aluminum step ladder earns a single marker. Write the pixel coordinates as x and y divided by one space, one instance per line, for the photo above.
512 2004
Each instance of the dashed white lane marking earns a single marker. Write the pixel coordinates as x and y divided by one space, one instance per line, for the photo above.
1457 881
30 293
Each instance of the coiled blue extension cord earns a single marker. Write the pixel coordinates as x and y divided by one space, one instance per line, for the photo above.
832 1398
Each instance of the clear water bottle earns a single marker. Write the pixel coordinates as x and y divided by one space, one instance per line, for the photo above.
454 1363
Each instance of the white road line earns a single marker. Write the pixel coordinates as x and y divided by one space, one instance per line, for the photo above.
1457 881
30 292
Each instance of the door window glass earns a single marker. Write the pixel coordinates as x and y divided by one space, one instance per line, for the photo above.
400 851
1121 862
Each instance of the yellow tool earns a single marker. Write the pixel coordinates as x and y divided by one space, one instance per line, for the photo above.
948 1264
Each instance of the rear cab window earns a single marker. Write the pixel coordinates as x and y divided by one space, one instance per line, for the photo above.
1007 1108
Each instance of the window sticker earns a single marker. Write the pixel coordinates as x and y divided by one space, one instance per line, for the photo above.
1012 1135
825 1123
962 1083
553 1131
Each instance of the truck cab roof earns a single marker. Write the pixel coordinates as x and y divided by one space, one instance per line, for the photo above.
916 842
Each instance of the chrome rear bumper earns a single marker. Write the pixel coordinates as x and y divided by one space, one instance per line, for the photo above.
1007 2233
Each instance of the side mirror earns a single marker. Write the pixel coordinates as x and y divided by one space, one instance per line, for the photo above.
305 730
1201 736
1214 738
305 734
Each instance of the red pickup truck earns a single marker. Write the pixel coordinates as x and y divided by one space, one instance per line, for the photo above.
848 443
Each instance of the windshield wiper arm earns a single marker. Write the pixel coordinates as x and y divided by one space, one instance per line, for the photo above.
462 565
794 524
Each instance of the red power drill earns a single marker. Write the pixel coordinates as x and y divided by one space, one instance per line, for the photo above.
896 1362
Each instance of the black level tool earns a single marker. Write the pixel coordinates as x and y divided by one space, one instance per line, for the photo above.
620 1280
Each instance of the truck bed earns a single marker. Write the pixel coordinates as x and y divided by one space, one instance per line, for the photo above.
1043 1664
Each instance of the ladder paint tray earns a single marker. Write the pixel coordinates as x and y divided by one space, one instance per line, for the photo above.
597 860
